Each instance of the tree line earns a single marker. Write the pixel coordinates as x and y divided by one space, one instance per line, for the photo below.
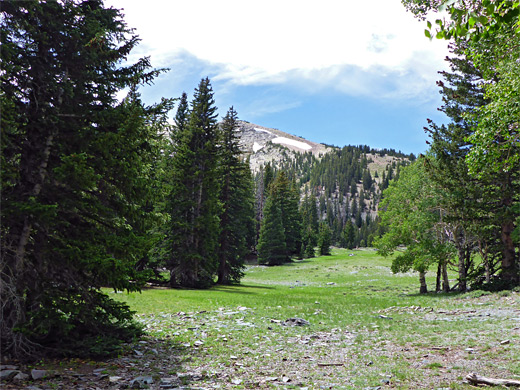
459 204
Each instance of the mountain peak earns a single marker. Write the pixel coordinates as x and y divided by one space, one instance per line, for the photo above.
264 144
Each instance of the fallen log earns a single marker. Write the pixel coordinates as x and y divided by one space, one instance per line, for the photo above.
330 364
476 379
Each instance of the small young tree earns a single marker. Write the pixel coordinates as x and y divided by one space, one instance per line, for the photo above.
324 239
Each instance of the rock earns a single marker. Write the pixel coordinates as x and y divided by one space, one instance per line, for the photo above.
331 284
7 375
504 342
7 367
98 371
38 374
114 379
296 322
141 382
21 377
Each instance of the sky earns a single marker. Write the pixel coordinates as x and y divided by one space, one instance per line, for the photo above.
339 72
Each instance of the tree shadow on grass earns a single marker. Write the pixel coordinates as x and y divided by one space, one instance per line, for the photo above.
240 289
438 295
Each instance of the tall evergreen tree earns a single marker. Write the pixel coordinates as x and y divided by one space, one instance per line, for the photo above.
194 200
76 173
236 197
288 197
272 249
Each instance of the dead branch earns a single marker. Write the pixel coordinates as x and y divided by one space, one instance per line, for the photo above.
476 379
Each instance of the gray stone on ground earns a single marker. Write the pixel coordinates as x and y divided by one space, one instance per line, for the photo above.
296 322
38 374
8 367
141 382
21 377
7 375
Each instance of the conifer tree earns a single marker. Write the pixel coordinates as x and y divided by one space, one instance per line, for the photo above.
77 170
236 198
349 235
324 240
194 198
287 195
272 249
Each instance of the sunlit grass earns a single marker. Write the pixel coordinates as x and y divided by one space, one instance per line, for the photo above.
373 318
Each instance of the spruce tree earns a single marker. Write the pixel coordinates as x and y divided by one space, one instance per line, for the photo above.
77 171
272 249
194 198
287 196
236 197
349 234
324 239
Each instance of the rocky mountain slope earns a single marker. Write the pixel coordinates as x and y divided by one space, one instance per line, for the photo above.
263 144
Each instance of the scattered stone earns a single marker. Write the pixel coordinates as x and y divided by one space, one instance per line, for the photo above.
7 367
198 343
504 342
7 375
114 379
331 284
38 374
236 381
21 377
141 382
385 317
470 350
296 322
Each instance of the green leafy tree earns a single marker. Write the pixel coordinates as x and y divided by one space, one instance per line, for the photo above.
410 214
490 31
194 204
236 198
76 173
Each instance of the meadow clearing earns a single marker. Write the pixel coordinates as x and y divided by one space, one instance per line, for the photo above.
367 329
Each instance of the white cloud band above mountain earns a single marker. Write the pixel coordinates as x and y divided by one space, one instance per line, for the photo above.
271 42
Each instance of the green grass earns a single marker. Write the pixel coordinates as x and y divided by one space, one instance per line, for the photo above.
368 328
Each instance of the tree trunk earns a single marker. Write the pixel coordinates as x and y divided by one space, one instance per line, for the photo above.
438 279
35 191
445 280
422 281
462 259
509 266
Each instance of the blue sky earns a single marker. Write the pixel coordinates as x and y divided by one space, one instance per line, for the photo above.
337 72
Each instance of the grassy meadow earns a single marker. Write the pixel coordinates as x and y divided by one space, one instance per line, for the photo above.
368 329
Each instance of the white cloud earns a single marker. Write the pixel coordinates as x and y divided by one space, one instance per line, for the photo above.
273 41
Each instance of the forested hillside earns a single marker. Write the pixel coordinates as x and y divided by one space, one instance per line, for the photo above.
345 185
